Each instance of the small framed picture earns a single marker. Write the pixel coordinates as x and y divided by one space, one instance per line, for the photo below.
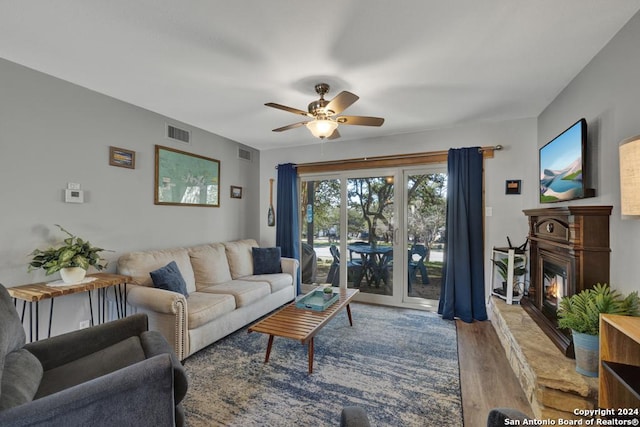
512 186
236 192
122 158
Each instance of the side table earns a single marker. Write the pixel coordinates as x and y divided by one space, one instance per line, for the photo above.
36 292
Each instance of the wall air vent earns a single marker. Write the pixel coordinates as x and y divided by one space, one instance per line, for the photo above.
244 154
178 134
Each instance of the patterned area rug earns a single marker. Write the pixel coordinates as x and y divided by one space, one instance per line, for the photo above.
400 365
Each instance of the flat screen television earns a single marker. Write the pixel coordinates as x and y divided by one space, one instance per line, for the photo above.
562 162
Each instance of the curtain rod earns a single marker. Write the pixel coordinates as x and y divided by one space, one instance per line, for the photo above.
436 155
491 148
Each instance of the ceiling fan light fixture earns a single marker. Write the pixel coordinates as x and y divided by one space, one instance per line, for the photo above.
321 128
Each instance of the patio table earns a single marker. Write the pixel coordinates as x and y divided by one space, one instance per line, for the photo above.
374 262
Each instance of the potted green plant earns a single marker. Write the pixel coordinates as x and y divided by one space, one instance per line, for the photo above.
328 293
581 314
72 258
502 264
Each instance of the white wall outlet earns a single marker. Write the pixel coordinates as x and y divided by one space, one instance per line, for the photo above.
84 324
488 211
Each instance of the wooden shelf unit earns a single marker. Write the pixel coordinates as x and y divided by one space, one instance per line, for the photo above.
619 362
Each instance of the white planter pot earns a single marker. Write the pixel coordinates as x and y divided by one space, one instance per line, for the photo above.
72 274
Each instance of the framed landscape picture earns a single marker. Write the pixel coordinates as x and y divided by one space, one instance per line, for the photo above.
122 158
186 179
236 192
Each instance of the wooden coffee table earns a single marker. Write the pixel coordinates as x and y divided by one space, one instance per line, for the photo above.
300 324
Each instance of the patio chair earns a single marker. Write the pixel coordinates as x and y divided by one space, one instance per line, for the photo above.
386 267
334 270
354 270
416 263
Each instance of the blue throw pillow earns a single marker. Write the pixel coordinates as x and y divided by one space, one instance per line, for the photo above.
266 260
169 278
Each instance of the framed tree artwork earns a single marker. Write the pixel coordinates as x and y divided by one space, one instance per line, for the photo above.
186 179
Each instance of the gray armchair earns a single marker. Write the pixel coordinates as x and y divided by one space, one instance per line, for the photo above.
117 373
498 417
354 416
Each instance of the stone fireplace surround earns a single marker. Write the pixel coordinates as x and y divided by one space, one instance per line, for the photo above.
549 379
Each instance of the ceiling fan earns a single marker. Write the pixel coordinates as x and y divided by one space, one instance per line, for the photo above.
324 114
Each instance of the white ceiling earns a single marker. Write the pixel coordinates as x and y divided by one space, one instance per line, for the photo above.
420 64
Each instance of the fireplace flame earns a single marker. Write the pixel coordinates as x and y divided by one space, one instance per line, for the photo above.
552 289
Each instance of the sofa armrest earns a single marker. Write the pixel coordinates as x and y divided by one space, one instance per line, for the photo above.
140 395
167 313
290 265
65 348
154 299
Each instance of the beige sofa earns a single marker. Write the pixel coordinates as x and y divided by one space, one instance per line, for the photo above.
224 294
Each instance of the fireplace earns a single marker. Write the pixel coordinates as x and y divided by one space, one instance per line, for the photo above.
569 252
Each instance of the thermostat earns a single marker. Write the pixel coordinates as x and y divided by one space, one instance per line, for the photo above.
74 196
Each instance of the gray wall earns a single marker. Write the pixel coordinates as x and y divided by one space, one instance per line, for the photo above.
607 93
53 132
518 160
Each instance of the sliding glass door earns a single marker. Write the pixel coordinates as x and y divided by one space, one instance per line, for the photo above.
361 229
320 231
371 240
425 219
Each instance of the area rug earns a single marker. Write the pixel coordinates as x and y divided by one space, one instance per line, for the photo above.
400 365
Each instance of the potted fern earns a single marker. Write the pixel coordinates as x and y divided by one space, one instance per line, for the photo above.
581 314
72 259
502 264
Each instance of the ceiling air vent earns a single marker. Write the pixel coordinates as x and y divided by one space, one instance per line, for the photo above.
178 134
244 154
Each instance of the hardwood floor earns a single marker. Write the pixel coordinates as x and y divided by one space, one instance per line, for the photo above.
486 378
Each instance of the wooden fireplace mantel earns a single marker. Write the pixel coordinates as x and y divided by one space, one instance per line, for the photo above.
575 238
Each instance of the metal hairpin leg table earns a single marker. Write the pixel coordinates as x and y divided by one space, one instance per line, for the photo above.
36 292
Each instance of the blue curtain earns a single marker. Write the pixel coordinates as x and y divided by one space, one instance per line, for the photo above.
463 293
287 217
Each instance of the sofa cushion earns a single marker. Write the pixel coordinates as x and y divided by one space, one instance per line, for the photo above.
205 307
245 292
276 281
210 265
169 278
107 360
138 265
21 376
240 257
266 260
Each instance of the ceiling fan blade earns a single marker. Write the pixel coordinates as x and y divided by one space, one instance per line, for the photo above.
334 135
360 120
341 102
289 109
291 126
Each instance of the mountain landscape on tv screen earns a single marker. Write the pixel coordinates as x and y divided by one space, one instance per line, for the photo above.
561 185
